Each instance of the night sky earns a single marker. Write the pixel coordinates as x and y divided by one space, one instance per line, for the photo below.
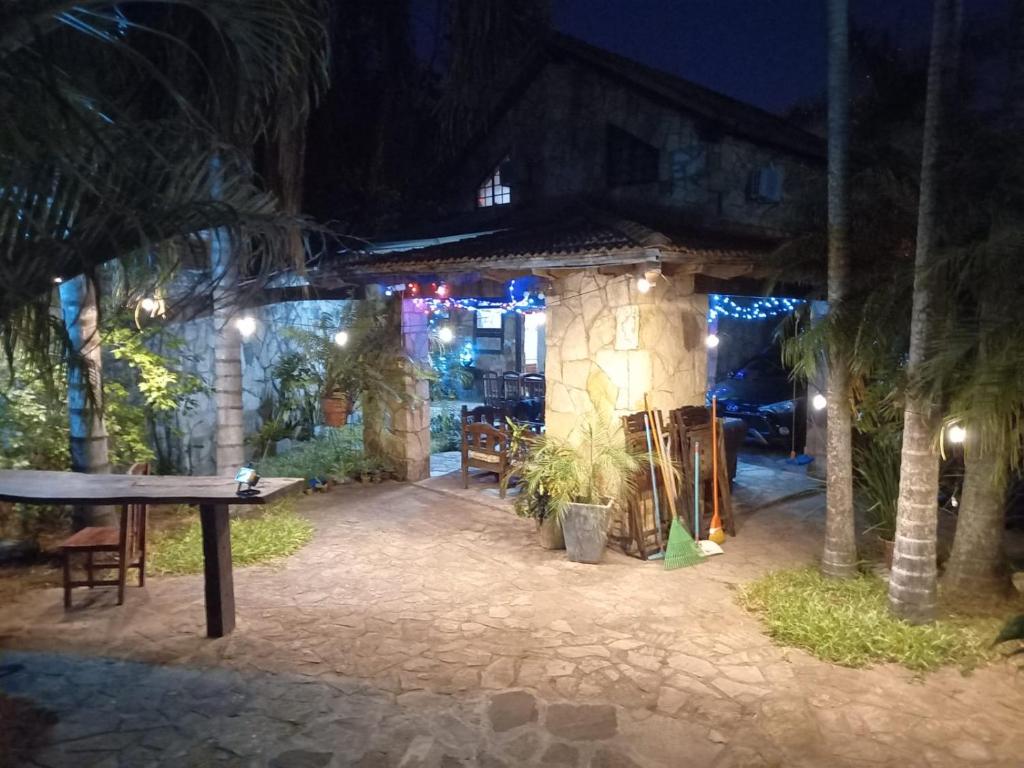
770 53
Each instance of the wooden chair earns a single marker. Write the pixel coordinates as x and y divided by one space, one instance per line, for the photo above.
492 389
127 543
485 448
483 414
511 389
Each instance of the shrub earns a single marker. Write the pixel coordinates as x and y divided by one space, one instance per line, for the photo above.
848 622
445 431
332 453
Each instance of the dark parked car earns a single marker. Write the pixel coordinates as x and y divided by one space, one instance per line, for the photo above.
761 393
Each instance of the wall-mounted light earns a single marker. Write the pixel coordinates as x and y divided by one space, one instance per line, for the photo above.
818 402
341 338
646 281
711 340
246 326
58 280
445 334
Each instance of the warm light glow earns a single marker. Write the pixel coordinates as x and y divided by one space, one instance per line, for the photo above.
446 335
341 338
956 433
711 341
818 402
643 285
148 304
442 291
246 326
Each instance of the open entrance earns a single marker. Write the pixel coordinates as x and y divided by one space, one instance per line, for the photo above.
766 407
487 358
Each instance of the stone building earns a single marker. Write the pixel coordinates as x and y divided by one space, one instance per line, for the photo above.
597 177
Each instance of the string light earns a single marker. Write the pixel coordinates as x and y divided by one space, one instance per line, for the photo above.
750 308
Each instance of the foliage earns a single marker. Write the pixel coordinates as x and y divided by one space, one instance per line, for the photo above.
127 128
321 457
445 431
450 375
276 533
846 621
592 466
291 407
1012 631
877 468
372 359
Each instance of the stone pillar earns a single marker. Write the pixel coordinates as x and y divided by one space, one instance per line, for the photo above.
608 344
411 423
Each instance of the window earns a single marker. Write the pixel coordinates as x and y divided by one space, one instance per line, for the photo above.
492 192
630 160
533 324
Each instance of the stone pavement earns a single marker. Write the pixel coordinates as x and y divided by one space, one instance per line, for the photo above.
421 628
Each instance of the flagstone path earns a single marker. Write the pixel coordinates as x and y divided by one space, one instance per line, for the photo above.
423 629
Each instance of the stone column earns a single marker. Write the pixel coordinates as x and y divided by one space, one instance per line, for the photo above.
411 423
608 344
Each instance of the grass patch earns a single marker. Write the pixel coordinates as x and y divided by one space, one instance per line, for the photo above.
331 454
277 533
847 622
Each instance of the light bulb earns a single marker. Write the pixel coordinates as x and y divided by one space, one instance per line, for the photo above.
148 304
643 284
446 335
341 338
246 326
58 280
818 402
956 433
711 340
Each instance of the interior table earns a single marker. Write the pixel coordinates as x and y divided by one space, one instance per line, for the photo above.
213 496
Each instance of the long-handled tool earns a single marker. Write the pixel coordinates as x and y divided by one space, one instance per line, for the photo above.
660 554
705 547
715 533
681 550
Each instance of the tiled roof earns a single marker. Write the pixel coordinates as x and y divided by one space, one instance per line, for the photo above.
561 239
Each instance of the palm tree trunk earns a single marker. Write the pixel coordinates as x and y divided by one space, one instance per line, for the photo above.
977 565
227 355
912 584
88 432
839 558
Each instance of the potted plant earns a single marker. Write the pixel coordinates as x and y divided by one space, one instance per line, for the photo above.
574 483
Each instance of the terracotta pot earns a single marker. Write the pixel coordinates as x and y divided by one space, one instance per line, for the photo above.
586 531
336 410
549 533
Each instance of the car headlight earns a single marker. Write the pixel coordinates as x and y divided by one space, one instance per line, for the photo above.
780 408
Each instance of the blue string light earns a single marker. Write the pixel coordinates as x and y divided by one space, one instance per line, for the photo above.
750 307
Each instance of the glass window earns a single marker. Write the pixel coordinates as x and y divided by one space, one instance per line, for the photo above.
493 192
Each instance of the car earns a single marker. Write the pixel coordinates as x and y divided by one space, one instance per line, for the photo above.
761 393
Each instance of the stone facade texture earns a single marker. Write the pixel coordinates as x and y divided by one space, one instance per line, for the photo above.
608 345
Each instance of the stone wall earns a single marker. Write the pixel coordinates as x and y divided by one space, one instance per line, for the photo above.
608 345
555 139
259 353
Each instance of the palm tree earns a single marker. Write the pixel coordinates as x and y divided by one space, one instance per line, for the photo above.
912 584
113 123
839 558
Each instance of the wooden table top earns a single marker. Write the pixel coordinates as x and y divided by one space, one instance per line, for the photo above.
39 487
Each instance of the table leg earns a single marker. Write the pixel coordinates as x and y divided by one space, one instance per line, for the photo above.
220 586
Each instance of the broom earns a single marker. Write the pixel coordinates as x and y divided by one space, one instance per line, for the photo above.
715 532
681 550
